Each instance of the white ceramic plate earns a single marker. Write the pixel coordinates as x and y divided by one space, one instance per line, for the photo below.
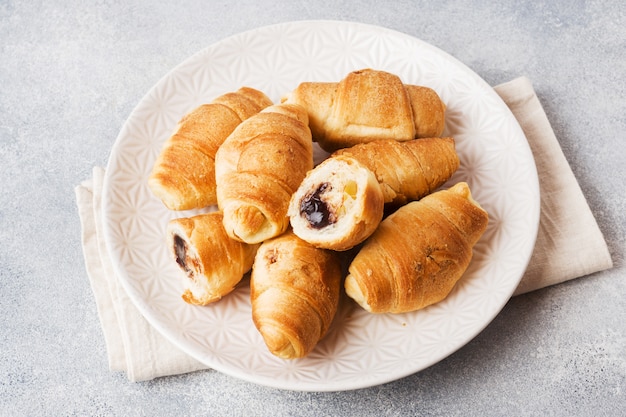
361 349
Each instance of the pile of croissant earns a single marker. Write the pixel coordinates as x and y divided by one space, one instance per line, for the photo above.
374 205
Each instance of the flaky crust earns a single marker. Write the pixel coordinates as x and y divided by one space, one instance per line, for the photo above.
408 170
417 254
368 105
428 111
294 291
258 167
212 262
183 176
338 205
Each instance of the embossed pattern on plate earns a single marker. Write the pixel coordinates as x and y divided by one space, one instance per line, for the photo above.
361 349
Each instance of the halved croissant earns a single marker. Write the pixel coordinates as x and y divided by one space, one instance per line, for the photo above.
213 262
294 291
183 176
408 170
258 168
338 205
417 254
368 105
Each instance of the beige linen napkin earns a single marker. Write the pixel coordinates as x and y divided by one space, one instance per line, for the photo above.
569 242
133 345
569 245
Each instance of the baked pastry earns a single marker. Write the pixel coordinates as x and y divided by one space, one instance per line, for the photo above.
408 170
368 105
183 176
428 111
294 291
212 262
417 254
258 168
338 205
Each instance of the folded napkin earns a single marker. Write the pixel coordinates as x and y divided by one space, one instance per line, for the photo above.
133 345
569 245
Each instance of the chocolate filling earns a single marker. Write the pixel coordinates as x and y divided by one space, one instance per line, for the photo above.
315 209
180 249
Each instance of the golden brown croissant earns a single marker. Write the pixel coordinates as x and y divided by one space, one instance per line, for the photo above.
368 105
183 176
213 262
408 170
417 254
338 205
258 168
294 290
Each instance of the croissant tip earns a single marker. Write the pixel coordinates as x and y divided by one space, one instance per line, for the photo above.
290 109
353 290
278 343
463 189
190 298
247 223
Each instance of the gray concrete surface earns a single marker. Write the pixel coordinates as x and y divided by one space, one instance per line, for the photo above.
71 72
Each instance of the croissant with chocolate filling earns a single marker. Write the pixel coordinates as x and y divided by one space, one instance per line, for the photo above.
408 170
213 263
338 205
368 105
258 168
417 254
183 176
294 290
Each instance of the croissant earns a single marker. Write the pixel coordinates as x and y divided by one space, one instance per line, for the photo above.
258 167
294 291
183 176
368 105
338 205
408 170
417 254
213 263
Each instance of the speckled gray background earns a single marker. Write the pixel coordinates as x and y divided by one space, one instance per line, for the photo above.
70 73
